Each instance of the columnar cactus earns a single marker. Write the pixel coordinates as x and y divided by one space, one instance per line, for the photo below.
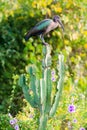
41 97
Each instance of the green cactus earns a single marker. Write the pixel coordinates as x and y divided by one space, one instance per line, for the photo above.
41 97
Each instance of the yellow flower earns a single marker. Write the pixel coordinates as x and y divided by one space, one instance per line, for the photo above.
58 9
66 42
53 7
49 11
85 33
48 2
43 4
83 54
69 3
85 45
66 128
34 4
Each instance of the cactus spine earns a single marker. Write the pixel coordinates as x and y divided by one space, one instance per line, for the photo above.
42 88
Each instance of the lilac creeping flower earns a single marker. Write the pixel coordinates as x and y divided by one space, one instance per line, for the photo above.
71 108
82 128
74 121
15 120
16 127
53 79
12 122
53 72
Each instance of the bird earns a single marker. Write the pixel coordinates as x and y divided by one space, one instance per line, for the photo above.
44 27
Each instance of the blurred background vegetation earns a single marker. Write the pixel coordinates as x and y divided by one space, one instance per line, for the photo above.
16 18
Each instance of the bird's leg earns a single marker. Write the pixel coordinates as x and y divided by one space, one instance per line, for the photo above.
43 41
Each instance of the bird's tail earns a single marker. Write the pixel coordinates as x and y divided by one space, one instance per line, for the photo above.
27 36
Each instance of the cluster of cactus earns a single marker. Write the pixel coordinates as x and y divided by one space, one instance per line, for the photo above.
41 96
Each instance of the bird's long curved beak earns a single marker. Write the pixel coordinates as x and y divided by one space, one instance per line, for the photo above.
61 25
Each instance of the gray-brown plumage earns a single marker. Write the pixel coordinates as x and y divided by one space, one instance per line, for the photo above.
44 27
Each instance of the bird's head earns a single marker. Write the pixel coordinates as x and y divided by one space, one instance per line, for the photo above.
56 18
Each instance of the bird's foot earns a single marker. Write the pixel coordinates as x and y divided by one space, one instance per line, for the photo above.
45 43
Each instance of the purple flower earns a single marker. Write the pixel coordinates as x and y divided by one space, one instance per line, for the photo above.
74 121
53 79
12 122
82 128
16 127
15 120
53 72
71 108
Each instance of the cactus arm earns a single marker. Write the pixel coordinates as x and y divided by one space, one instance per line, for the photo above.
32 70
43 95
43 122
37 84
34 84
46 88
43 115
59 86
33 88
47 77
25 89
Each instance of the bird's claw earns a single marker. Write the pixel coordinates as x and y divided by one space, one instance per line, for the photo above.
45 43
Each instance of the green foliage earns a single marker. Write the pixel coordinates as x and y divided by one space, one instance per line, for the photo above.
4 122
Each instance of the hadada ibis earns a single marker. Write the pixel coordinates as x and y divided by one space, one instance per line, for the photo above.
44 27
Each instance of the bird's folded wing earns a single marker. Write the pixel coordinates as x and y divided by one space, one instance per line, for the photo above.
38 29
